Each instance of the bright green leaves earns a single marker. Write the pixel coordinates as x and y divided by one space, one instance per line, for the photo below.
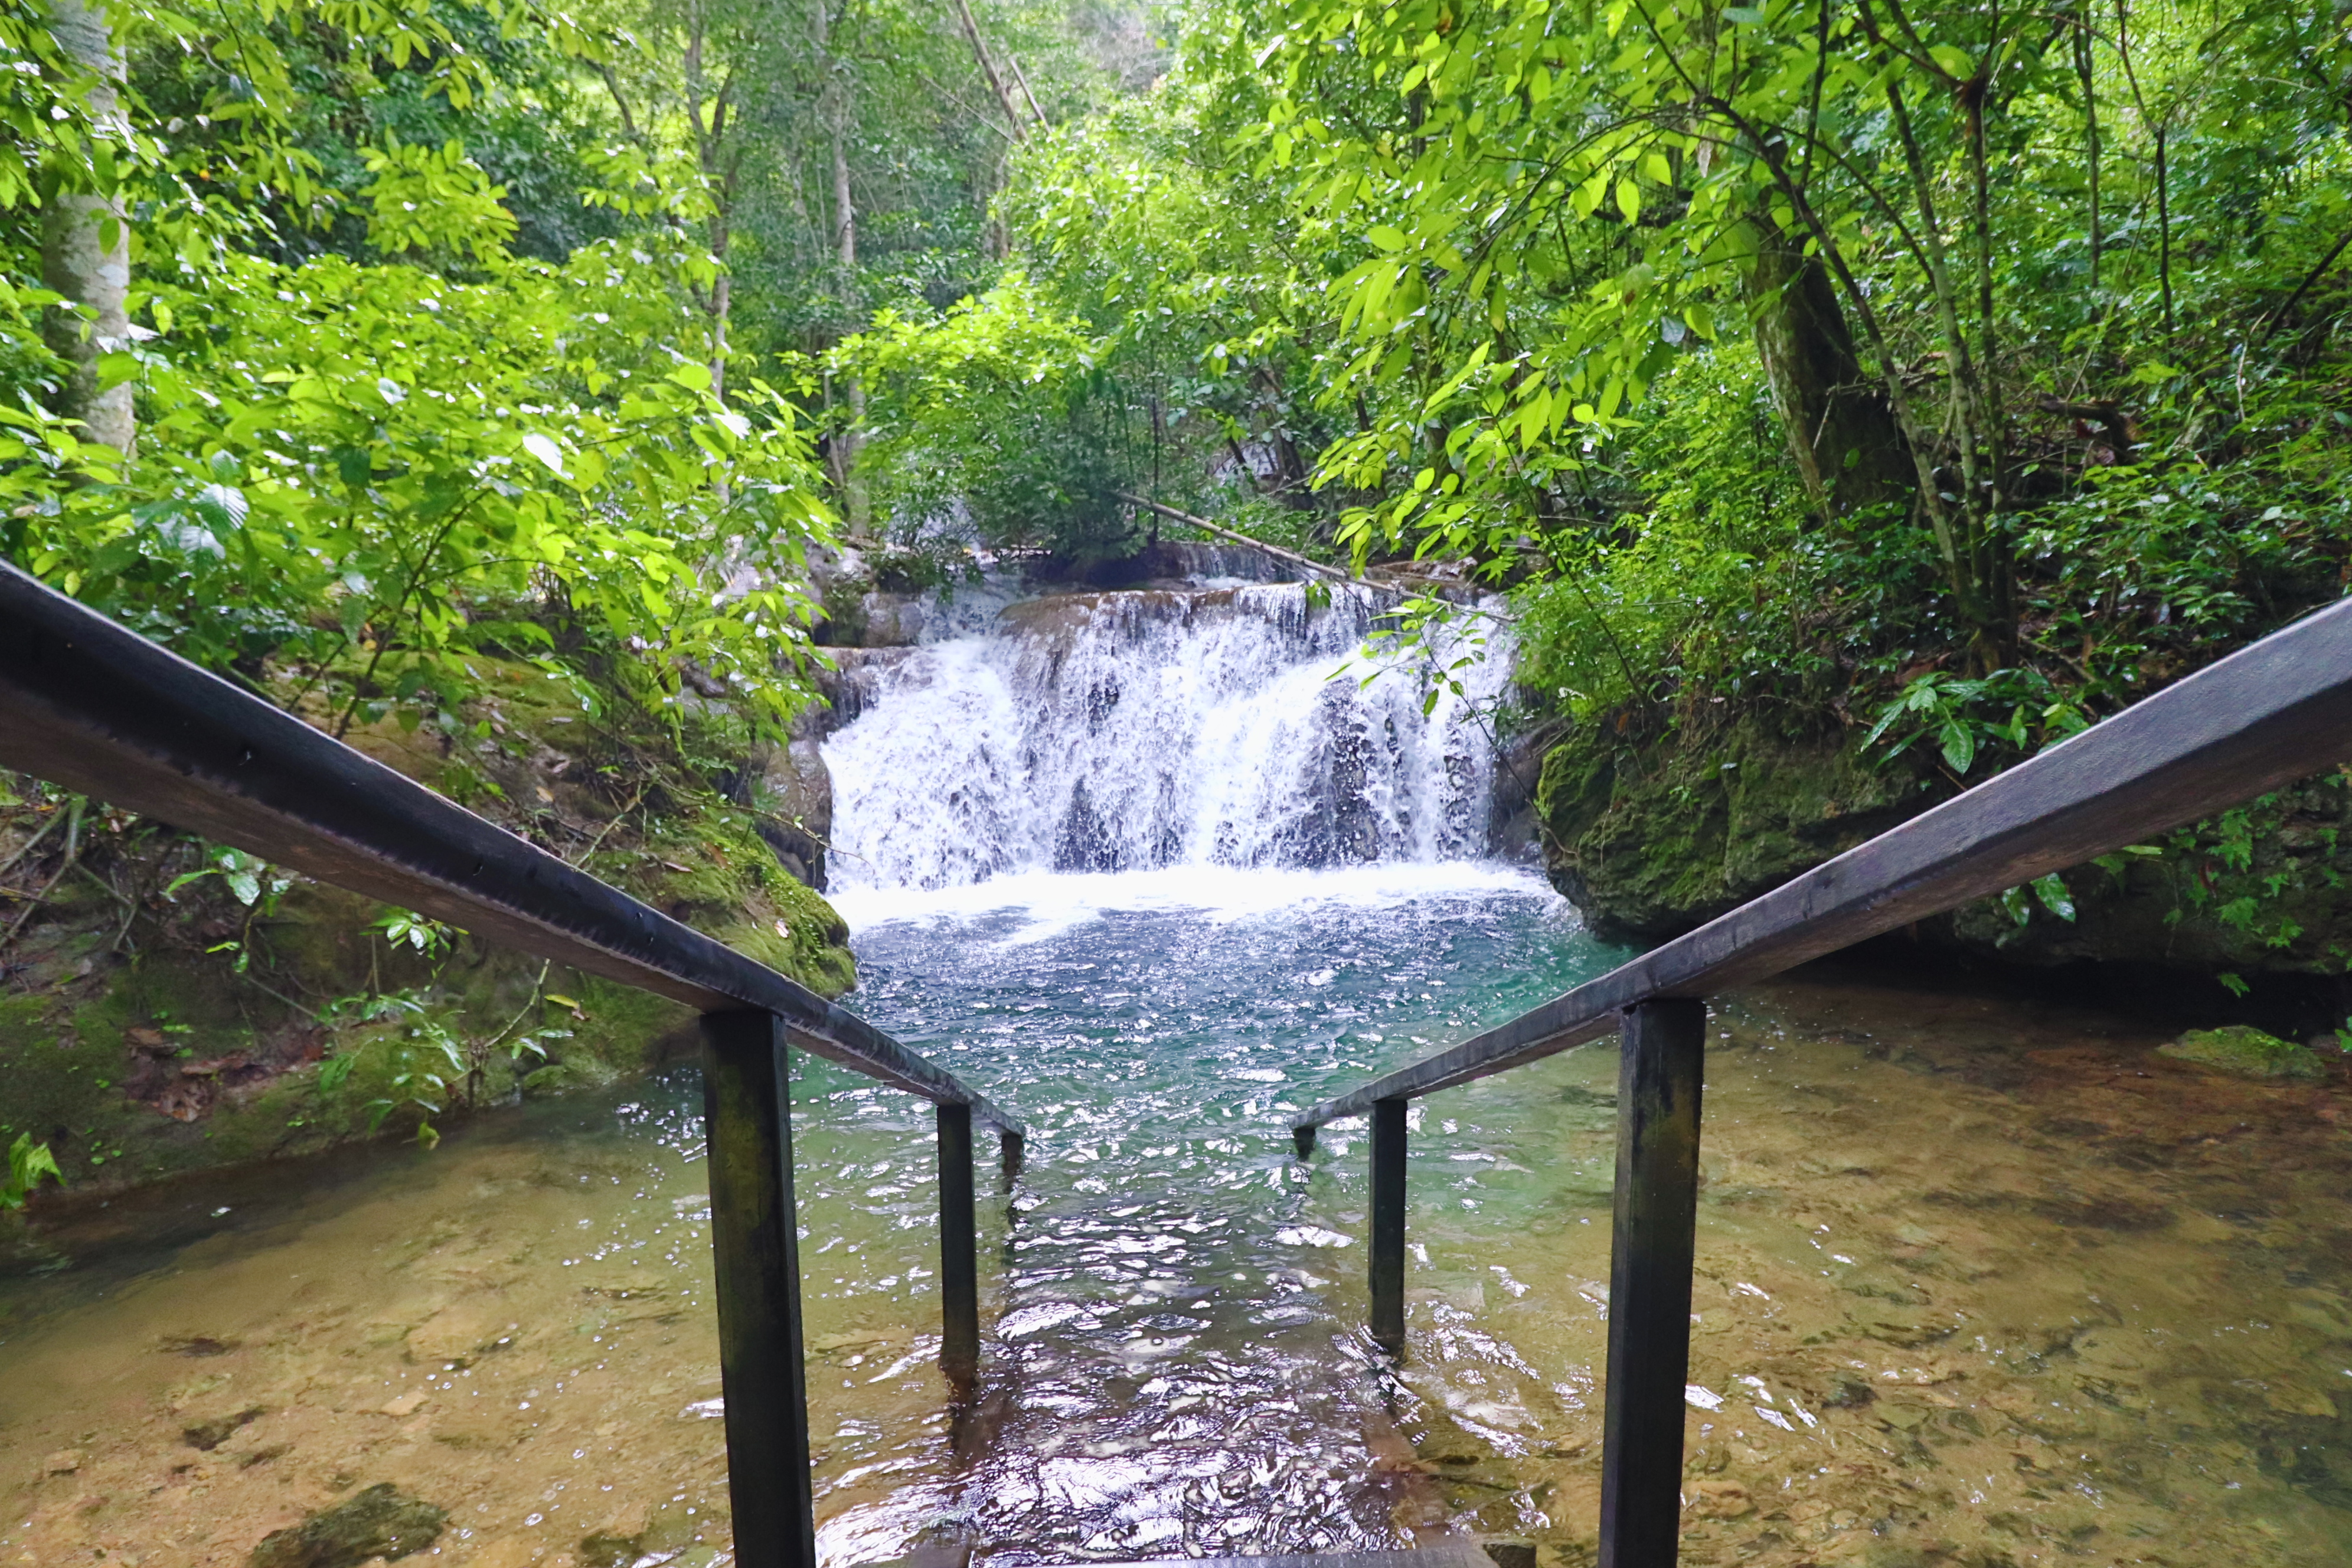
373 474
1003 409
2050 891
29 1163
2018 710
435 200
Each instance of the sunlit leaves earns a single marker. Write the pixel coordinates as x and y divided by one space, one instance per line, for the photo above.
434 200
370 472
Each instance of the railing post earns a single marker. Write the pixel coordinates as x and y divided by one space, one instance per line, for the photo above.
1658 1077
754 1235
1388 1226
958 1265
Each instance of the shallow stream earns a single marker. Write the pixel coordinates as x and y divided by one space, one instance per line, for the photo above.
1981 1282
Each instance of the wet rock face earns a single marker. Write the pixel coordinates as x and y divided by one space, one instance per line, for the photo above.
1655 835
1343 825
379 1523
793 796
1084 842
1651 836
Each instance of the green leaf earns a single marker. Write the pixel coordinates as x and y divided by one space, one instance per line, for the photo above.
28 1162
2051 891
1959 746
335 1070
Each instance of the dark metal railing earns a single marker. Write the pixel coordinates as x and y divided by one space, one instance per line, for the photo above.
2270 713
91 706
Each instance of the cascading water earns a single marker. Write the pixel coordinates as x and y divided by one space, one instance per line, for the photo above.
1131 730
1978 1281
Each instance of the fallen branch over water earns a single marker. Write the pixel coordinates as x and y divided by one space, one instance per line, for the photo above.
1276 550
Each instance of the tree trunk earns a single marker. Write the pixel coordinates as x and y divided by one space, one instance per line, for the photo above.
86 246
706 116
996 83
1848 447
842 451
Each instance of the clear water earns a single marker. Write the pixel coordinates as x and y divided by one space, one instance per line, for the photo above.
1979 1283
1179 1373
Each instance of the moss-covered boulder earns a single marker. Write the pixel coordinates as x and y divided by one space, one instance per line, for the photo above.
1653 828
1651 835
2244 1052
381 1521
158 1026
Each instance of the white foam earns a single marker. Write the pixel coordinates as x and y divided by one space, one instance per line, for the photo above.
1116 733
1050 901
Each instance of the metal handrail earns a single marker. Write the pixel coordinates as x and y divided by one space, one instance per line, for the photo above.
92 706
2263 716
99 709
2267 714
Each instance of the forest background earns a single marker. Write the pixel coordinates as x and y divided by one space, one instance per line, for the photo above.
1861 394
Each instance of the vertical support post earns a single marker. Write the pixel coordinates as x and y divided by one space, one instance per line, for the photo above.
958 1265
755 1237
1012 1149
1387 1224
1658 1077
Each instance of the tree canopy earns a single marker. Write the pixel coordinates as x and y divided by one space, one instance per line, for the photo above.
1799 353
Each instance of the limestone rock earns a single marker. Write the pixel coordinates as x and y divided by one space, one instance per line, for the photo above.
1652 829
791 790
2243 1052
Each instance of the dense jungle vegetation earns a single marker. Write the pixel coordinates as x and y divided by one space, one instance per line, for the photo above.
1946 375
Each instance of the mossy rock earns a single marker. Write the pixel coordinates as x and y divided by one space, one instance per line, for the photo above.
379 1523
2243 1052
1650 836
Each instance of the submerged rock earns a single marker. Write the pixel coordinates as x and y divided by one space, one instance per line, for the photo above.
2243 1052
379 1523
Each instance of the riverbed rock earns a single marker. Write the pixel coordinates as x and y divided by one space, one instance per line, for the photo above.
381 1521
2243 1052
1720 1499
206 1436
555 1077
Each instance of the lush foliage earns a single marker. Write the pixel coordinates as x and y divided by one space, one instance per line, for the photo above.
371 471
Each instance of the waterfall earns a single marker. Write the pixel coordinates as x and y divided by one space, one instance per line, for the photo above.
1119 731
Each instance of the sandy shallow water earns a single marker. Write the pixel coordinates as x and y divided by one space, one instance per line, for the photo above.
1981 1282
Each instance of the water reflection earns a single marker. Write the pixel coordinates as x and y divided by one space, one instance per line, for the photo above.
1979 1283
1172 1375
